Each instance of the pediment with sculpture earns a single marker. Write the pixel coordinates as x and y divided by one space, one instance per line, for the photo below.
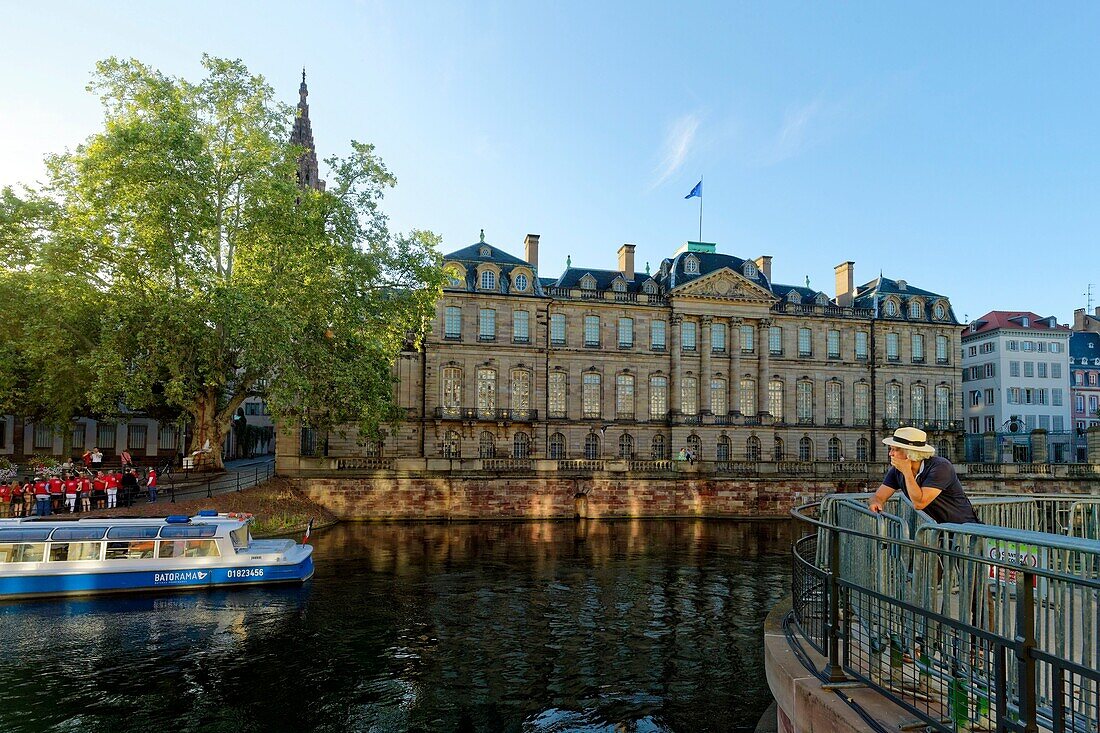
725 284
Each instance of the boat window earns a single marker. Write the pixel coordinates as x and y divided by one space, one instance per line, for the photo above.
66 551
132 533
26 535
78 533
194 531
241 540
19 552
189 548
131 550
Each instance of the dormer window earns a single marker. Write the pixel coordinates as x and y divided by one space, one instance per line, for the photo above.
750 270
454 278
488 280
485 251
794 297
891 308
650 288
915 309
1025 321
902 285
939 312
520 281
588 283
691 266
618 286
822 299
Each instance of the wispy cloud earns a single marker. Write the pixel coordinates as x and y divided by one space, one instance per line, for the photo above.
803 127
677 146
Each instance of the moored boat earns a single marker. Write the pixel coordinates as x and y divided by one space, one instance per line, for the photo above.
48 557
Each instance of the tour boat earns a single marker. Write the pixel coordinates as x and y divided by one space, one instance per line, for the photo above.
52 556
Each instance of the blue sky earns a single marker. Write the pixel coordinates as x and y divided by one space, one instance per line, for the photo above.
956 148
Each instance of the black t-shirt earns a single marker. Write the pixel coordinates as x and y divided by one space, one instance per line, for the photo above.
937 473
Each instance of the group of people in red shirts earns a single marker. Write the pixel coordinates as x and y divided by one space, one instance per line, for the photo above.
75 492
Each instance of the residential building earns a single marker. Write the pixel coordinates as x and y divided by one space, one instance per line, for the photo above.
1084 365
1016 380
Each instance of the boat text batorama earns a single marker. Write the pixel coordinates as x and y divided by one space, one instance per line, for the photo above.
47 558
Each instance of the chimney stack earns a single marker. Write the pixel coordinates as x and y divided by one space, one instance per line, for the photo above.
626 261
845 283
531 250
764 264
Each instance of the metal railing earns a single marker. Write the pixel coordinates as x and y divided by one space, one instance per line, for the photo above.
964 625
215 484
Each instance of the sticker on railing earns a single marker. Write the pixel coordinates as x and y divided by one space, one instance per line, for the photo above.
1015 553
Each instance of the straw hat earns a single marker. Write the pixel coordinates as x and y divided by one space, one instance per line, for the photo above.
910 439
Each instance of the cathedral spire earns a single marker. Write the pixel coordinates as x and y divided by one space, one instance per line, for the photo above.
308 176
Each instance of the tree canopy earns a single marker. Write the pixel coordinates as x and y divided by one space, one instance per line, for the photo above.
171 261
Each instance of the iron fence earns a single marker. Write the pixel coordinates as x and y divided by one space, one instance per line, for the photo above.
219 484
970 626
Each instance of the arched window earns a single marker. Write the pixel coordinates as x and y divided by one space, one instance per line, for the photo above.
626 446
722 450
861 450
650 288
488 280
521 445
373 449
805 449
487 392
618 286
943 448
521 390
557 447
452 391
778 451
916 309
591 446
916 407
696 444
486 445
943 404
752 448
452 445
893 401
454 278
659 450
588 283
747 396
775 399
834 449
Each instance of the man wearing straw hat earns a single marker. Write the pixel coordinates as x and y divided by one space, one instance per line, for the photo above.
928 480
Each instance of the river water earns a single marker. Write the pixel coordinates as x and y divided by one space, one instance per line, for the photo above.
532 626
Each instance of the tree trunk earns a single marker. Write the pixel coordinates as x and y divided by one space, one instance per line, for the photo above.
209 432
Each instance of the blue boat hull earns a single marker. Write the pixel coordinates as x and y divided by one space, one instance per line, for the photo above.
118 582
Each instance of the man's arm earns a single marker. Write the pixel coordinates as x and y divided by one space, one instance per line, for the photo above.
921 497
878 501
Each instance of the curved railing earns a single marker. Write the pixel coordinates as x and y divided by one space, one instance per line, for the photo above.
965 625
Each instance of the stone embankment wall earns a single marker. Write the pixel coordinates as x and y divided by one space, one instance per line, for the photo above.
393 496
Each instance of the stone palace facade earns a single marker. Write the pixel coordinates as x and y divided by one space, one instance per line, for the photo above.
706 354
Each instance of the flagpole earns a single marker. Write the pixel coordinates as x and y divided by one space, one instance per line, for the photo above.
700 210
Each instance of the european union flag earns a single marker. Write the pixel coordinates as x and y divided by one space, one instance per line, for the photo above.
697 191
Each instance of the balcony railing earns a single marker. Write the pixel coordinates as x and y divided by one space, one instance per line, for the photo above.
482 413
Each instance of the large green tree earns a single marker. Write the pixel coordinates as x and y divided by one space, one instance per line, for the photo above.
211 275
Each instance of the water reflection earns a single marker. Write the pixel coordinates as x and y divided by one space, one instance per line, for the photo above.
549 626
